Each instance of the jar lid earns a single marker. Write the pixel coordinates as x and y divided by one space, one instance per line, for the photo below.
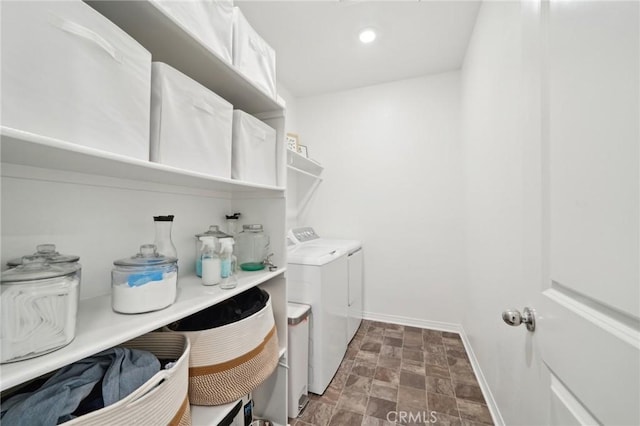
49 253
36 268
214 231
252 228
148 256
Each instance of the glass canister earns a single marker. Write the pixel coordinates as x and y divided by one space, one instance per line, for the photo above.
144 282
213 231
47 252
252 246
39 304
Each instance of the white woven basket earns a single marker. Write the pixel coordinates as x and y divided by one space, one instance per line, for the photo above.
230 361
162 400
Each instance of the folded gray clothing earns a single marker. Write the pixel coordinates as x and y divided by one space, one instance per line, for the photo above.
121 370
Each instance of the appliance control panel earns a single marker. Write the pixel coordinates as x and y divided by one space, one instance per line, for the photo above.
301 235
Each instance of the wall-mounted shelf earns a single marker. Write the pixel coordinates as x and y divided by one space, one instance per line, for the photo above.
28 149
99 327
303 165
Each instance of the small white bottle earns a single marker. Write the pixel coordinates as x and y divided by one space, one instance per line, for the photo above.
210 262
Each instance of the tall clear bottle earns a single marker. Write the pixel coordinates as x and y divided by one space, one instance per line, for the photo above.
163 243
232 224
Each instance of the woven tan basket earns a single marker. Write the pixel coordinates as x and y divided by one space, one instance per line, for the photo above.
162 400
230 361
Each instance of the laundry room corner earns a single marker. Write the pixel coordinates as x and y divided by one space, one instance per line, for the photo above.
393 180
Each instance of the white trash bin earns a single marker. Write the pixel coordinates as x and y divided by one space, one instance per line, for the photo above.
298 354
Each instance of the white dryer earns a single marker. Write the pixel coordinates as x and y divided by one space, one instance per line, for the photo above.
318 276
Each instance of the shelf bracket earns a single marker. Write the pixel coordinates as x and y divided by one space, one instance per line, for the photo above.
304 172
308 195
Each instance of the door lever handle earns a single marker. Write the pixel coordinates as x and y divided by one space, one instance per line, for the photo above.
514 318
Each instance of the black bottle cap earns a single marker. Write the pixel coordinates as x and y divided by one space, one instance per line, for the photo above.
168 218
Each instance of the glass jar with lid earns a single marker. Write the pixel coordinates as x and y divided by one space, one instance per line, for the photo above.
39 304
49 253
252 247
144 282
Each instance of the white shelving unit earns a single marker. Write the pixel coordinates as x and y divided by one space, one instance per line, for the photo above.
45 183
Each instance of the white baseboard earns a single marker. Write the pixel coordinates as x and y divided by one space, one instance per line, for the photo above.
413 322
482 381
453 328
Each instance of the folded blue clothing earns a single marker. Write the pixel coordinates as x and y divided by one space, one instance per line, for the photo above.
121 371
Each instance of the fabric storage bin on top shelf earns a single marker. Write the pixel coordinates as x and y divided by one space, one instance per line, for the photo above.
234 347
190 125
252 56
84 80
254 150
208 21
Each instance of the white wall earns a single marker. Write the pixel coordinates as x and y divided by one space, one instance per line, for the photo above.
393 179
503 229
99 219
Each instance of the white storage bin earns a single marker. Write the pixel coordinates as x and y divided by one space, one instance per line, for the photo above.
190 125
232 357
252 56
209 21
163 400
254 150
71 74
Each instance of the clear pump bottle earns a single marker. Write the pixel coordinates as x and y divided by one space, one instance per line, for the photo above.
210 262
213 231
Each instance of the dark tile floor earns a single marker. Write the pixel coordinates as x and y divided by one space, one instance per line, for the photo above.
394 374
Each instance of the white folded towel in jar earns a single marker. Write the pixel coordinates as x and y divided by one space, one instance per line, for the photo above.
37 319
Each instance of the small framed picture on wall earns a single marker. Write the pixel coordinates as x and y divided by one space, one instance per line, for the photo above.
302 150
292 142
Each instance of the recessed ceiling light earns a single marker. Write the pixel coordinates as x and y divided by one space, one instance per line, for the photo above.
367 35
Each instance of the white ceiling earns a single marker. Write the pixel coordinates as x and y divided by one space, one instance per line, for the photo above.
318 51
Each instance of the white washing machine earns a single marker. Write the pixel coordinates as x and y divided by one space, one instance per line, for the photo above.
338 293
318 276
354 251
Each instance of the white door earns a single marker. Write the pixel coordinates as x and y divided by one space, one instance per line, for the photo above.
588 309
